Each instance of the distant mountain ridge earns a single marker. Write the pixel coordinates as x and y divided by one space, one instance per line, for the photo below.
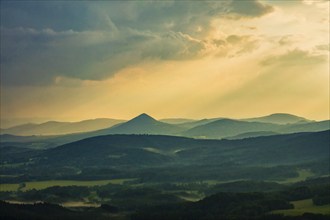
214 128
227 127
59 128
278 118
307 127
177 120
252 134
196 123
233 129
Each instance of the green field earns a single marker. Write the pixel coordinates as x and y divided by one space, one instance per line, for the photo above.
44 184
303 206
302 175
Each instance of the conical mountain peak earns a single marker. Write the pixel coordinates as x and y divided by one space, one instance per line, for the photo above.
143 117
144 124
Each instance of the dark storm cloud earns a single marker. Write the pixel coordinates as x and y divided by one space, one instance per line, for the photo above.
93 40
249 8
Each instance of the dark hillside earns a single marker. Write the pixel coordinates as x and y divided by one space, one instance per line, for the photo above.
159 150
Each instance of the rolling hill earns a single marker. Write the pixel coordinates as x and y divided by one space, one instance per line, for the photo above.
170 158
278 118
236 129
227 128
306 127
192 124
176 120
214 128
252 134
156 150
59 128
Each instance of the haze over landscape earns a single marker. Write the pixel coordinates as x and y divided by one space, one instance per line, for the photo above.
180 110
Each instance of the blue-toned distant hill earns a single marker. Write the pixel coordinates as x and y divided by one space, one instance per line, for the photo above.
252 134
22 139
176 120
306 127
279 118
196 123
215 128
59 128
235 129
227 128
142 124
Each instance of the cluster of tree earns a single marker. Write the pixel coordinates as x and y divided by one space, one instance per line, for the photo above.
43 211
242 206
55 194
245 186
319 193
237 200
128 195
182 173
218 206
107 157
318 188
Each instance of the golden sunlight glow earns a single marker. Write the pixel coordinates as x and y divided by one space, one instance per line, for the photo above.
278 62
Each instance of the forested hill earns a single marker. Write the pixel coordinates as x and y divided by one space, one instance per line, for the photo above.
161 150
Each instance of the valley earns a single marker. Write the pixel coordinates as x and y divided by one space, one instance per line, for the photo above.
133 169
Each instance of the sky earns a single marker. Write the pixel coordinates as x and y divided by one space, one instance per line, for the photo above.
75 60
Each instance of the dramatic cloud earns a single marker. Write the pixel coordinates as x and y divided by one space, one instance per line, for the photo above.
92 41
323 47
252 8
88 59
32 56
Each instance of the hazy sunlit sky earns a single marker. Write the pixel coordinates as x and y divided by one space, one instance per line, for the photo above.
74 60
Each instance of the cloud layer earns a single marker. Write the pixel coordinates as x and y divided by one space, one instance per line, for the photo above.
93 41
90 59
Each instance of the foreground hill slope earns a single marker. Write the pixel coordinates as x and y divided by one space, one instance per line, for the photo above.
170 158
155 150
